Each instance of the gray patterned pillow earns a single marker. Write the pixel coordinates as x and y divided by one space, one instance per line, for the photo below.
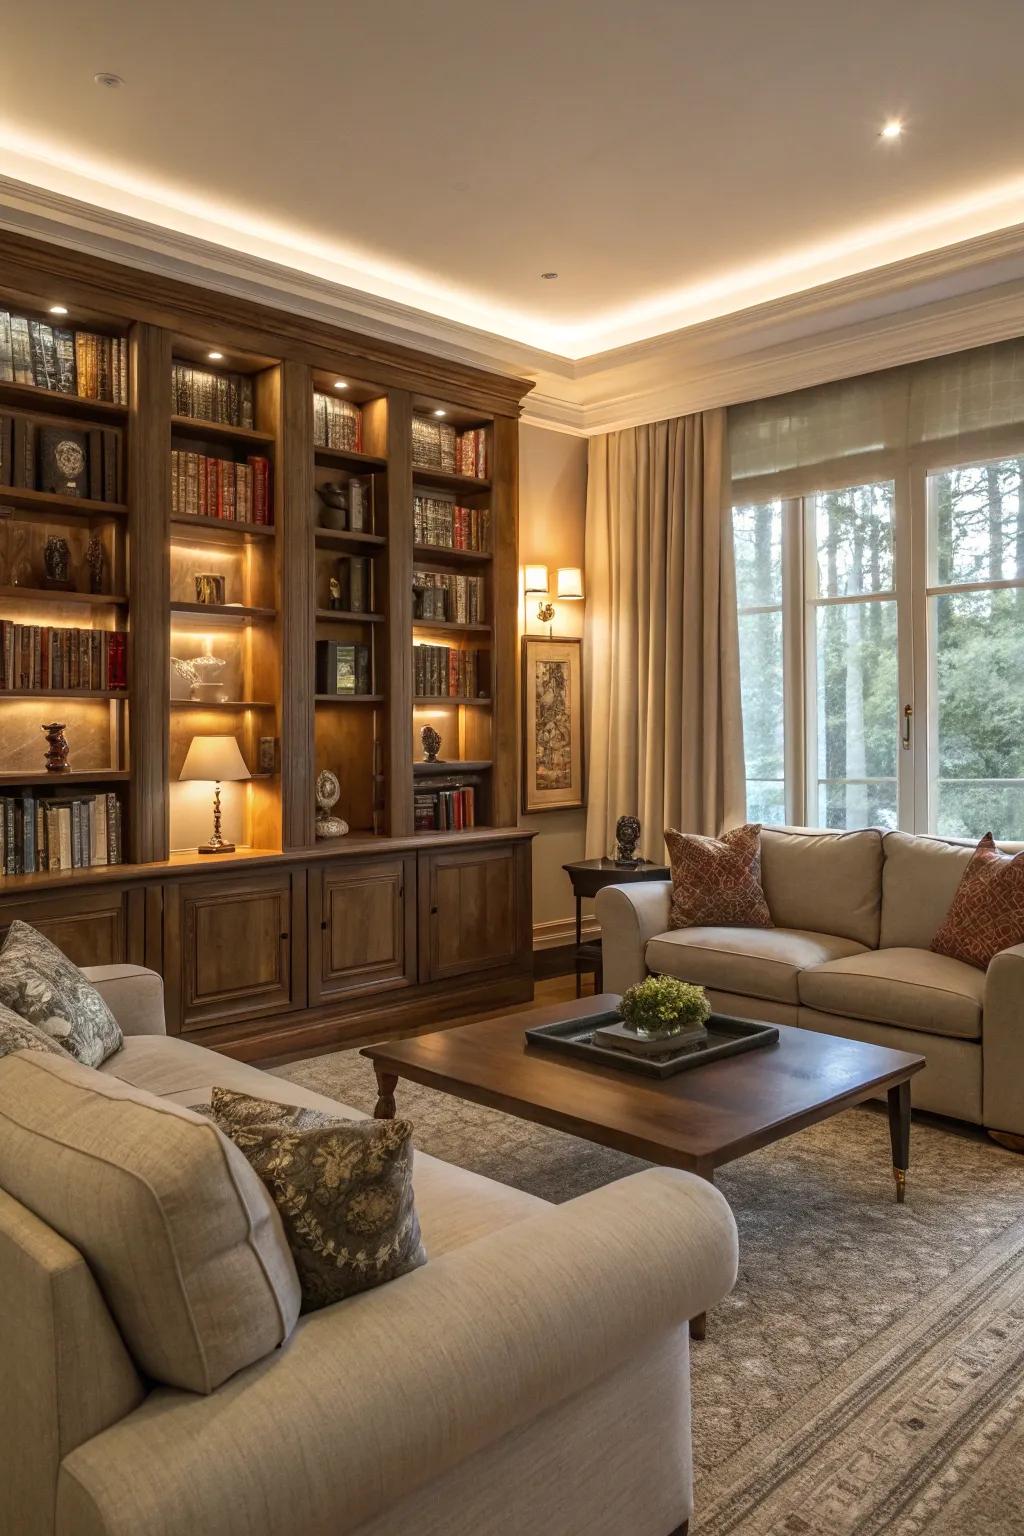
17 1034
40 984
343 1188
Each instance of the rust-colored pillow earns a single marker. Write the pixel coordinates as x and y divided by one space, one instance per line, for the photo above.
987 912
717 881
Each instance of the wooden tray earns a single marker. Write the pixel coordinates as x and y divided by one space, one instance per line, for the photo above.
726 1037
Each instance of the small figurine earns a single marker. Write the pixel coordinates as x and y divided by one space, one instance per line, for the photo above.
209 588
627 836
431 744
94 559
328 792
335 592
56 560
57 748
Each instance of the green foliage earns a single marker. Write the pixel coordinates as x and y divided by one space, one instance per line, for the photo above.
662 1006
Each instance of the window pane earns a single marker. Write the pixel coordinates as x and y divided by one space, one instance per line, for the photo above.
853 536
858 713
979 667
757 536
977 527
761 690
766 802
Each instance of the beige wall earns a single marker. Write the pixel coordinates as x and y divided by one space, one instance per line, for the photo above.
552 511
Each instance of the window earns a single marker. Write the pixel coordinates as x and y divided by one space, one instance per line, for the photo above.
757 533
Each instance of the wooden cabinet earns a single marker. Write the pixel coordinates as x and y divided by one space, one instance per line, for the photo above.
104 927
362 923
240 944
474 910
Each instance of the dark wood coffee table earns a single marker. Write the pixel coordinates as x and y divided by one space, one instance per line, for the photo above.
698 1120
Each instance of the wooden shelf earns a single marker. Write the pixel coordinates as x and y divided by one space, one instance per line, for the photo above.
442 698
349 458
63 693
348 616
445 770
246 437
444 480
53 506
30 396
349 698
219 613
220 530
46 594
230 704
338 537
450 626
437 553
76 776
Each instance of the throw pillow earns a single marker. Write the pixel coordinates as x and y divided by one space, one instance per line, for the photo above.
38 982
17 1034
987 911
343 1188
716 881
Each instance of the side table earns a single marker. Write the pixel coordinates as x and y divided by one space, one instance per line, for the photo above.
589 876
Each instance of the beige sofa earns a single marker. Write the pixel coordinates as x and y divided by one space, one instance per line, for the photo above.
855 913
533 1376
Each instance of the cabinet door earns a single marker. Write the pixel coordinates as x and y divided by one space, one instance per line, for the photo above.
362 927
233 939
473 910
103 927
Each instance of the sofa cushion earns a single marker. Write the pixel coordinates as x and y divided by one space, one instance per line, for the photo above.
909 987
987 912
17 1034
824 882
717 879
758 962
38 981
183 1238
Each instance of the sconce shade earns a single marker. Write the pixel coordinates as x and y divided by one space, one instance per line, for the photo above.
536 579
570 583
214 759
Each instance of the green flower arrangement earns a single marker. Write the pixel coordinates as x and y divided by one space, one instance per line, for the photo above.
661 1005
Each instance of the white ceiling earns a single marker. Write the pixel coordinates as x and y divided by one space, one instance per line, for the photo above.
672 160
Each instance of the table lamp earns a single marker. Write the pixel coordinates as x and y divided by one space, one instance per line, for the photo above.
215 760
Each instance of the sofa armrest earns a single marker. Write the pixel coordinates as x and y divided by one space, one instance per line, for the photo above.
374 1397
630 915
134 995
1003 1042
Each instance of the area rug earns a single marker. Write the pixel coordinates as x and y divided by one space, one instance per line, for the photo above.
867 1373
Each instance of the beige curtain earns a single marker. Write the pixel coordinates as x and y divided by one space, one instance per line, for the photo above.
662 677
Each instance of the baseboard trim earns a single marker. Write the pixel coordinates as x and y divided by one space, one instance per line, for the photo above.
562 930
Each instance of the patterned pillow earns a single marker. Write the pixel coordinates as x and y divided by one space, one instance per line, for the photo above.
717 881
987 911
343 1188
38 982
17 1034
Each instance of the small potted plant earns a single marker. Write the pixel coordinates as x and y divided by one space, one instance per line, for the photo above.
661 1007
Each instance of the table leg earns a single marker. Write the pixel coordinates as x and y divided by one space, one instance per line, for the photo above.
579 941
387 1082
899 1135
699 1324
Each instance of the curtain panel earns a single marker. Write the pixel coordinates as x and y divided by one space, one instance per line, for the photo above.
664 723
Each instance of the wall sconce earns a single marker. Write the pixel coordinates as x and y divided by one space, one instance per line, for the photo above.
537 583
570 584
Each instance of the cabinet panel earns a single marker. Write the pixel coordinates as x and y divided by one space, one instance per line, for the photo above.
362 927
92 928
234 945
472 911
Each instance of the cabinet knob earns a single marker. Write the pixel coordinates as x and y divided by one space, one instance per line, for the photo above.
323 926
283 936
433 911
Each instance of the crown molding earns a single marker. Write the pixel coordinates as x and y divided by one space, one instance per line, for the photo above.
960 296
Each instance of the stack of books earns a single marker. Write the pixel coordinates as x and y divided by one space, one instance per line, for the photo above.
40 834
441 671
41 658
337 423
202 486
438 522
207 394
69 362
64 460
445 805
471 453
343 668
456 599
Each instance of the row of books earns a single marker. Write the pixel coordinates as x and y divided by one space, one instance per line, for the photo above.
67 461
337 423
437 445
211 394
203 486
447 806
343 668
39 657
67 361
441 671
436 520
352 587
457 599
39 835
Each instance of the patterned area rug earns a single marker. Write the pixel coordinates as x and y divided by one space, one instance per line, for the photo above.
867 1373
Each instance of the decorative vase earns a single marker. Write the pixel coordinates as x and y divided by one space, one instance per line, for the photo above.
334 505
57 563
57 748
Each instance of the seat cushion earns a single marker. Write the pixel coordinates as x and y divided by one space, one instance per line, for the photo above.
757 962
909 987
827 882
181 1235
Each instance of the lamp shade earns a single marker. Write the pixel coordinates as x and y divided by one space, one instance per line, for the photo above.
215 759
535 579
570 583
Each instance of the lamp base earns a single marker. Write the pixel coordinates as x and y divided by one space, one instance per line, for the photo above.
216 848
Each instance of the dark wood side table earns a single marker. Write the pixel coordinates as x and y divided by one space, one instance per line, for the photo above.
589 876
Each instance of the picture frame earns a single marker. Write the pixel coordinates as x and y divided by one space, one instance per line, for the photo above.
551 674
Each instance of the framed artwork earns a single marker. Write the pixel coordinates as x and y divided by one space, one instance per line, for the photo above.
552 677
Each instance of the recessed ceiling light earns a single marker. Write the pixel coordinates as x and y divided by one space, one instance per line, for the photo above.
110 81
892 129
340 384
440 413
58 309
549 276
215 357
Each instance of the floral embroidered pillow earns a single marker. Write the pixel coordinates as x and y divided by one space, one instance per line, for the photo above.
343 1189
39 982
987 911
716 881
17 1034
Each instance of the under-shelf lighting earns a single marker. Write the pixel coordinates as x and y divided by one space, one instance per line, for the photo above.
340 384
58 309
440 413
215 357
